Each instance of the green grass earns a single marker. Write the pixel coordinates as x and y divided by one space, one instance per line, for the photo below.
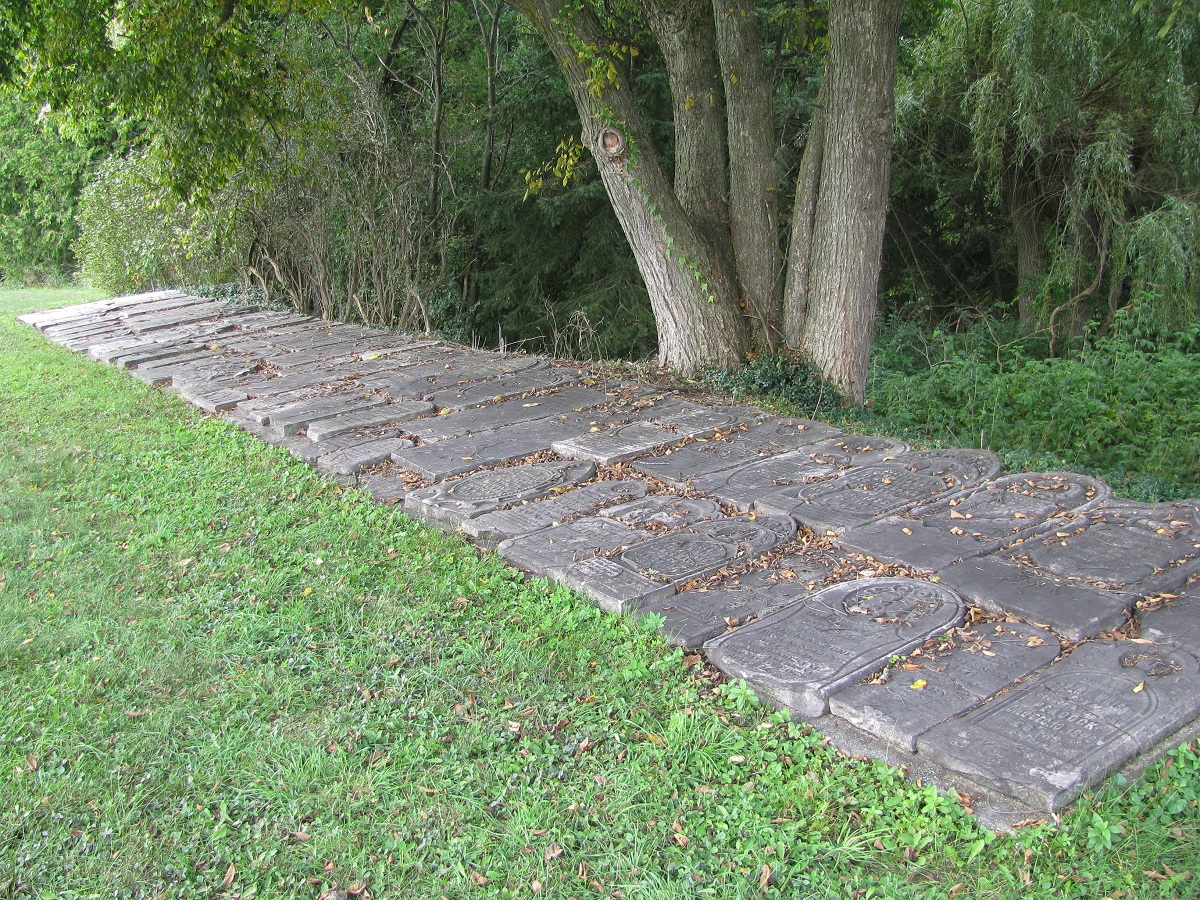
221 675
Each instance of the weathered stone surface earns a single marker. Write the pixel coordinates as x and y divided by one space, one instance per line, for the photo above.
563 402
806 651
212 400
934 535
744 485
551 551
945 680
483 392
349 460
681 466
1176 622
457 456
454 502
294 417
388 414
663 511
1073 724
869 492
310 451
613 587
1083 578
491 528
422 382
620 444
677 557
388 489
690 618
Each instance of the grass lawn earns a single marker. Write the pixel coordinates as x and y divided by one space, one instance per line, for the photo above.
222 676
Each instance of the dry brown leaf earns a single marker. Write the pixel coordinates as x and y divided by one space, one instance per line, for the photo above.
227 882
478 879
553 851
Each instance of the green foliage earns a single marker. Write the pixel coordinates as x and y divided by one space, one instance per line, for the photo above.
41 176
215 664
1123 407
137 234
790 379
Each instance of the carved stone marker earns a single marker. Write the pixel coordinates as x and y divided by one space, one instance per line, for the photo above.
945 681
869 492
692 617
1083 578
483 392
1073 724
663 512
491 528
563 402
1177 622
744 485
389 414
454 502
635 575
934 535
681 466
351 459
805 651
552 551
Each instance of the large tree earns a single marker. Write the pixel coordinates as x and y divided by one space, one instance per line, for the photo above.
708 240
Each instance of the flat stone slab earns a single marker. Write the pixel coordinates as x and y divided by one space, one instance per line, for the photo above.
551 551
690 618
491 528
746 484
663 511
484 392
295 417
1073 724
458 456
421 382
1084 578
681 466
350 460
620 444
937 534
1176 622
628 579
803 653
969 666
388 414
213 400
870 492
562 402
454 502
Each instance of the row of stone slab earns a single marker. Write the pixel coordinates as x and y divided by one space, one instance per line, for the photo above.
746 534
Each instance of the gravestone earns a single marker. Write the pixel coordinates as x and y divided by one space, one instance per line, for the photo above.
422 382
350 460
1072 725
563 402
1083 578
490 528
663 511
213 400
811 648
551 551
483 392
934 535
690 618
294 417
457 456
389 414
636 575
1176 622
744 485
681 466
944 681
454 502
869 492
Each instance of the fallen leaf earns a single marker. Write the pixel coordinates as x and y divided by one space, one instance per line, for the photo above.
918 685
478 879
1141 687
553 851
764 878
227 882
300 835
535 886
906 530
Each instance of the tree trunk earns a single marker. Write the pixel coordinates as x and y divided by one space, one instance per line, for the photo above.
799 263
693 299
851 205
753 180
1023 210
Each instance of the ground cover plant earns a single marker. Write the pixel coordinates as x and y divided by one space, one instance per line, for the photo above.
221 675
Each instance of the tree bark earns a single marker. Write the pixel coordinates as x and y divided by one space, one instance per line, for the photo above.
693 299
753 180
1023 210
851 206
799 263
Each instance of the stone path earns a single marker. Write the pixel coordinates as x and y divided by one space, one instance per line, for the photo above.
1023 636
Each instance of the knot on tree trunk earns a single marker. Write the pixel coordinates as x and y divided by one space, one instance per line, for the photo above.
611 142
